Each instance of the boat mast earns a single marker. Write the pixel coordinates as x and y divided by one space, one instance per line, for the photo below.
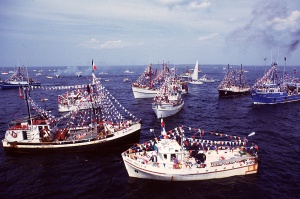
241 74
27 104
284 70
88 88
25 89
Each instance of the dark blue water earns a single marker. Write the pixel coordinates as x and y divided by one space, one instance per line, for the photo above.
103 175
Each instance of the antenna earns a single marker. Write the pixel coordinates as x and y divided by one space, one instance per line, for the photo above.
277 54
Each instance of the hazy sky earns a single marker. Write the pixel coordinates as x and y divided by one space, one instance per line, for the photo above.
136 32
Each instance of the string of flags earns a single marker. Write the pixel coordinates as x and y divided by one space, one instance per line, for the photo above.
109 106
201 141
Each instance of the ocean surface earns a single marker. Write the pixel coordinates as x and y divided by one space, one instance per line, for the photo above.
102 174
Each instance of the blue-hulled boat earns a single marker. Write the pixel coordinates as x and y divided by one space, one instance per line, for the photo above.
17 79
271 89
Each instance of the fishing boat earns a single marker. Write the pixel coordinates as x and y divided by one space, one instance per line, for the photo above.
187 73
234 84
17 79
103 125
271 89
75 99
168 100
148 83
206 79
189 154
194 76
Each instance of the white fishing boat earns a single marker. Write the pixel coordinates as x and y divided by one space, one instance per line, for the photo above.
148 83
106 124
194 76
173 156
75 99
168 101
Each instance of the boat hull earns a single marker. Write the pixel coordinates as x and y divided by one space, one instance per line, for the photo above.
143 93
273 97
231 93
169 174
5 85
166 110
67 108
195 82
121 140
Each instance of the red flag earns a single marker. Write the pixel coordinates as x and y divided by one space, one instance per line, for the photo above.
94 66
20 93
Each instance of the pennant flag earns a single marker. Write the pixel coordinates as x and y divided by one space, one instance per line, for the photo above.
94 66
163 131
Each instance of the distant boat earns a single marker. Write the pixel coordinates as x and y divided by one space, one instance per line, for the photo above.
102 73
128 72
4 73
19 78
78 74
126 80
234 84
187 73
148 83
205 78
271 89
194 76
49 77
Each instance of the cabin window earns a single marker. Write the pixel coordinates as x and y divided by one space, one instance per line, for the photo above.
165 156
173 156
24 135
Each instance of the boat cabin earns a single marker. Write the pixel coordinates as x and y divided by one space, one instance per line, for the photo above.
169 151
37 131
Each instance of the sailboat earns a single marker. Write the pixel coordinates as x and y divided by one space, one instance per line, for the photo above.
234 84
100 126
194 76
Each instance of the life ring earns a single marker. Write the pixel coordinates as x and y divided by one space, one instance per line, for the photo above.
14 134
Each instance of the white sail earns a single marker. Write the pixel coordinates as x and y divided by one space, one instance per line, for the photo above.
195 73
